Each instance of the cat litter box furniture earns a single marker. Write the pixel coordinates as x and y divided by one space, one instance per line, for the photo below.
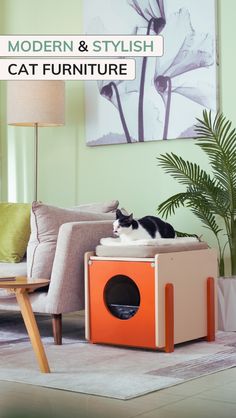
156 301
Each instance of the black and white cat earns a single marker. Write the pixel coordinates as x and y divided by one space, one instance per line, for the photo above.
148 228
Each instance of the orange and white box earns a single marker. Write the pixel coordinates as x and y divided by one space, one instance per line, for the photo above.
151 302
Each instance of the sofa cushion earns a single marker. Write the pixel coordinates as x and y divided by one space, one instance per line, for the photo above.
106 207
14 231
45 223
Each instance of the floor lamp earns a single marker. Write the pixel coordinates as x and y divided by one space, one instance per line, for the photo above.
37 104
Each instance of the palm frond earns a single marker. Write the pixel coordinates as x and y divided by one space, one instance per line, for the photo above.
218 140
209 197
208 219
169 206
185 234
201 183
197 204
185 172
214 197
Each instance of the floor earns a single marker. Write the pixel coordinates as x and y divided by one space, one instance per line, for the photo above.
210 396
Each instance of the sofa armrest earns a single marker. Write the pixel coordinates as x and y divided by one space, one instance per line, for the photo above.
66 290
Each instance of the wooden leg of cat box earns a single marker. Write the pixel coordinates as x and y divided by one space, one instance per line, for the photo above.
210 309
169 318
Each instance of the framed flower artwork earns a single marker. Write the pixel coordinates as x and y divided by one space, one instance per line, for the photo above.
168 92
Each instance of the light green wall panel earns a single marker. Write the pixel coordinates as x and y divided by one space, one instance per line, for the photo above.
58 147
3 152
227 57
70 172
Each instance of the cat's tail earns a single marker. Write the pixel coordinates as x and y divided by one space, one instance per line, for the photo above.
179 234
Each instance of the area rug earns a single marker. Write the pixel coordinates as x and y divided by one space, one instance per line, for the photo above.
115 372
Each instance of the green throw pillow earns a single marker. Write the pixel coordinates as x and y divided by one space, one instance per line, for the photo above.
14 231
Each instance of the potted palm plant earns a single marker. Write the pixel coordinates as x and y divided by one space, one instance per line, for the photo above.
212 198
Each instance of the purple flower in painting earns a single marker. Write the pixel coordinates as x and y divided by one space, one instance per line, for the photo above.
112 91
119 93
186 52
152 11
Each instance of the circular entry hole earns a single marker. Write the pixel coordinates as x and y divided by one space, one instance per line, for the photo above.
122 297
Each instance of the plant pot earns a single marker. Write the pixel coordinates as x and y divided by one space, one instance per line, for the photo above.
226 289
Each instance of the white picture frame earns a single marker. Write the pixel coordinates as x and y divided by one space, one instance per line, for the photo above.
176 87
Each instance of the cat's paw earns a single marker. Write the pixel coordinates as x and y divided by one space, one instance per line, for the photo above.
109 241
103 241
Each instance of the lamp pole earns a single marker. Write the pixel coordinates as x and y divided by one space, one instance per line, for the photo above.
36 104
36 136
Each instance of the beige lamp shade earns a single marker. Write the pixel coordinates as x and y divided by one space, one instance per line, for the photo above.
36 102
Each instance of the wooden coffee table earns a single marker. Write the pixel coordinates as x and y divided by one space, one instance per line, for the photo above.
21 286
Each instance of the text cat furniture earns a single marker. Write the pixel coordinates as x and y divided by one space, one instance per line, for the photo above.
151 302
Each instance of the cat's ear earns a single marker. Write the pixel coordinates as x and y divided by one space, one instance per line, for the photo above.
124 212
118 214
130 217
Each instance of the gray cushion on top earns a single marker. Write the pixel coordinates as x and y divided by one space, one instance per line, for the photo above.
147 251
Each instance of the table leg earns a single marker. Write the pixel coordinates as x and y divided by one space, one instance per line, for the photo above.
32 329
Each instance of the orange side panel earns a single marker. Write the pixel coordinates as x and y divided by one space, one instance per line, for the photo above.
138 331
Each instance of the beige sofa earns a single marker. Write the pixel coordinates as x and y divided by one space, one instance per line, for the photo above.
66 272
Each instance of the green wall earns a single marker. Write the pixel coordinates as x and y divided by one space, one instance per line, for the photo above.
58 147
70 172
2 118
